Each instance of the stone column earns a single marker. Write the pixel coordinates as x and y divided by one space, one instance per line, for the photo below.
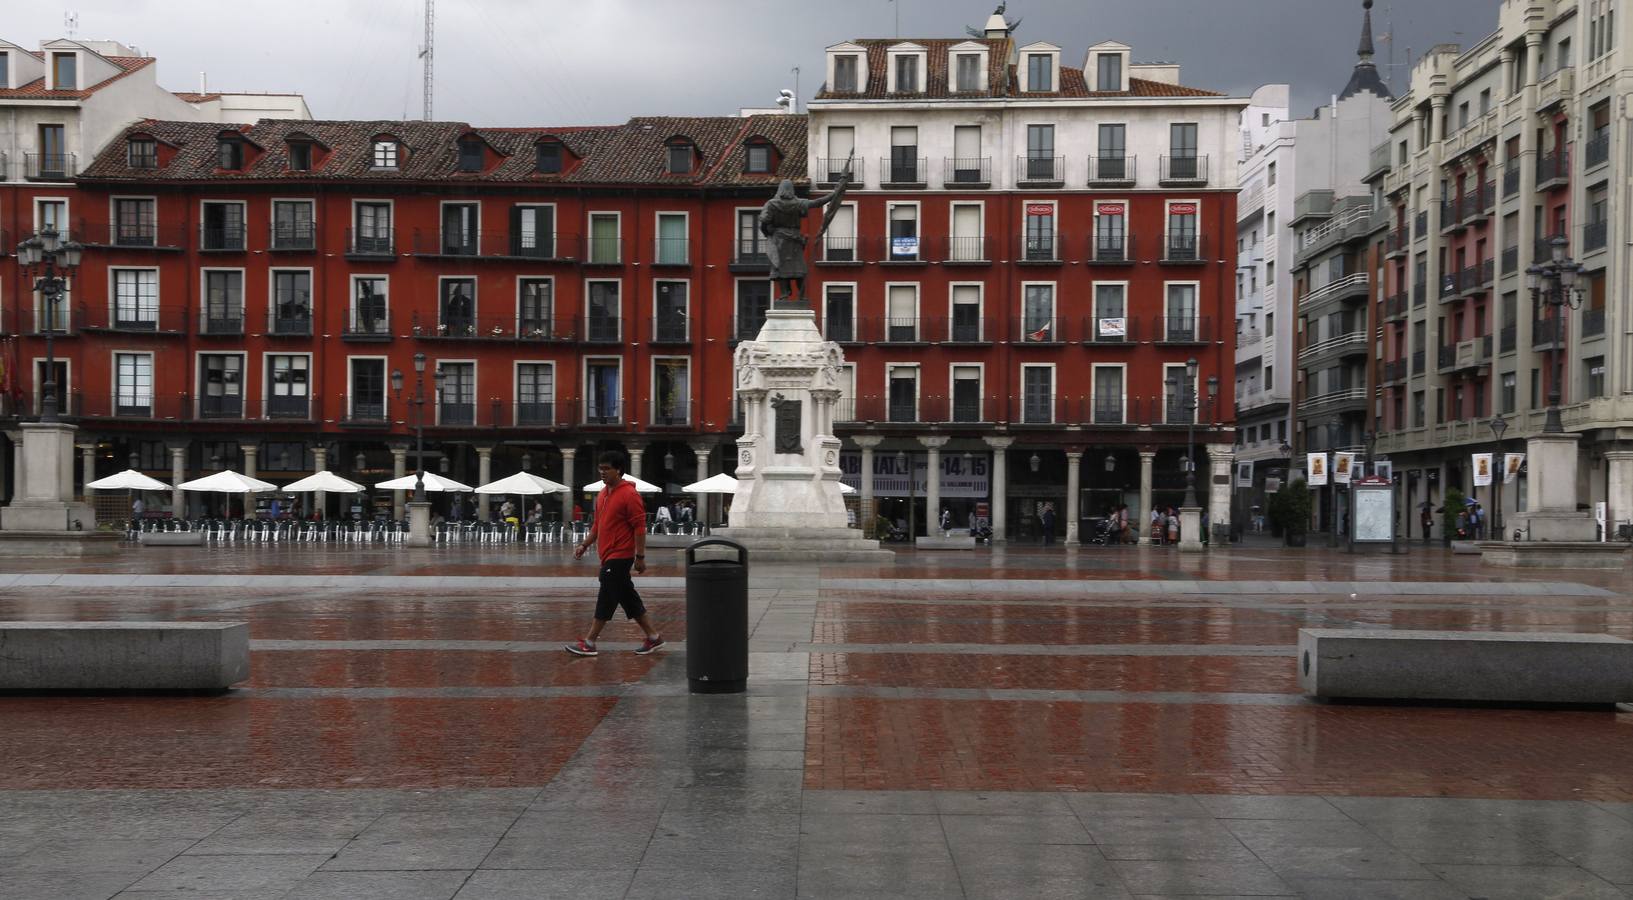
251 451
1074 465
1619 497
1147 458
1000 485
320 499
704 501
178 474
87 468
569 478
399 468
16 438
484 474
636 467
932 483
866 507
1221 483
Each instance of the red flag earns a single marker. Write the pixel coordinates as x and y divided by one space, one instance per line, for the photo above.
1042 334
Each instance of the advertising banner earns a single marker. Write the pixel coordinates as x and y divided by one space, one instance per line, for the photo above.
1511 466
1244 473
1482 469
1109 209
1343 463
1040 209
960 478
1316 465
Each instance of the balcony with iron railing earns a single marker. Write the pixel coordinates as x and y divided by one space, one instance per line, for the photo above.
1393 371
221 322
1038 330
1511 179
1542 250
671 329
365 410
141 235
595 412
1545 333
1477 204
1348 344
1111 249
221 238
750 255
373 244
1595 235
1553 170
1397 242
291 237
674 413
1184 249
902 249
1040 171
839 250
1592 322
973 173
50 166
903 173
829 170
1420 293
1112 331
1450 220
1113 171
671 251
289 320
509 327
1180 330
1596 152
1420 225
1037 250
1510 260
966 250
1180 171
367 324
525 414
1507 338
131 318
1396 306
1345 289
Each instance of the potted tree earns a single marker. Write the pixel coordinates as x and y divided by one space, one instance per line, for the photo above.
1290 512
1453 505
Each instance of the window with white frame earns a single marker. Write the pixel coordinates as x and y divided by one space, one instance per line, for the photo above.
969 166
370 310
291 301
904 232
904 156
221 385
671 390
753 302
966 393
1040 231
965 324
1178 392
839 312
670 311
968 74
902 392
456 401
1111 324
456 307
1037 394
839 244
1110 395
535 307
968 241
602 391
1038 313
533 231
136 299
1180 313
223 301
1040 72
901 313
751 244
1182 244
671 239
604 239
605 301
288 385
841 147
135 222
1111 231
385 154
371 228
133 384
846 411
535 393
847 67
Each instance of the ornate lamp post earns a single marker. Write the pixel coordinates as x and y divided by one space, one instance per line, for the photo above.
50 261
419 520
1554 283
1499 426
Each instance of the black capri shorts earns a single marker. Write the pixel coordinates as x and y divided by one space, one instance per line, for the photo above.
618 589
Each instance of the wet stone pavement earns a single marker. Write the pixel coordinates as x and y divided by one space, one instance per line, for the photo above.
1099 723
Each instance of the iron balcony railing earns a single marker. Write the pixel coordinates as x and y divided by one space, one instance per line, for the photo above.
290 322
1394 370
1183 170
966 249
749 254
229 322
1184 248
221 238
367 324
1031 169
1510 259
1106 171
1397 241
1542 250
1182 329
903 171
1552 167
294 236
50 166
541 328
454 414
1449 219
1395 306
668 413
1511 179
602 412
1112 249
603 251
1038 330
131 318
1545 333
144 234
1111 330
671 251
1595 235
830 169
971 172
538 246
1597 150
1593 322
1043 248
366 409
373 242
840 249
670 328
966 329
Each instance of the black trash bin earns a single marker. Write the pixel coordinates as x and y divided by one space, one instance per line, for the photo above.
717 620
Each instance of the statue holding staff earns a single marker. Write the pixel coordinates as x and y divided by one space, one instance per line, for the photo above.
780 221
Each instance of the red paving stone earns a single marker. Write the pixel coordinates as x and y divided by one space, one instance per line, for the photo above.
1077 632
1203 674
239 742
441 668
868 744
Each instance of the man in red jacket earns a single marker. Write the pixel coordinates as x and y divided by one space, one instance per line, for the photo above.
619 536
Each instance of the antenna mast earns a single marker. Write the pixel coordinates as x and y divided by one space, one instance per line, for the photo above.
70 23
428 54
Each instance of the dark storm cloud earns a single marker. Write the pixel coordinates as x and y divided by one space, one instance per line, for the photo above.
512 62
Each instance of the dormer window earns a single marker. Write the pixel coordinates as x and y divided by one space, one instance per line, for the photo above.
64 72
547 158
142 153
229 154
1109 71
757 158
845 68
681 155
385 154
1040 72
300 156
5 70
967 69
470 154
907 73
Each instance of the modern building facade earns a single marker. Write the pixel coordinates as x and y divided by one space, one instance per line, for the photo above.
1303 284
1495 152
1030 254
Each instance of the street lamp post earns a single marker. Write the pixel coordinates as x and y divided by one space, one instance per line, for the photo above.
419 520
1498 426
50 261
1554 283
1333 427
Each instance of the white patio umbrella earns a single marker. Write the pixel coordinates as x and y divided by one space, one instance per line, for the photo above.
228 482
644 487
324 481
128 480
523 483
433 482
714 484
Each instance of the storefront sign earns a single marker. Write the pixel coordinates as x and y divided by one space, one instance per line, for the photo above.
1040 209
1109 209
1182 209
961 478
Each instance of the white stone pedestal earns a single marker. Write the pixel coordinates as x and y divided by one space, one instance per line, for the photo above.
1190 529
1550 509
788 501
44 499
419 524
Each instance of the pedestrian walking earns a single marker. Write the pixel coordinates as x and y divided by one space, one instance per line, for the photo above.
1048 518
663 520
1427 518
619 535
946 521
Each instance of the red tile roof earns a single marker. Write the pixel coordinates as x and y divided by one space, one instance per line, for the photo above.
35 90
1001 77
631 153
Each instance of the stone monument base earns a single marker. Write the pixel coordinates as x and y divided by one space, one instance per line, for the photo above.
20 543
806 545
1190 530
1555 525
1554 554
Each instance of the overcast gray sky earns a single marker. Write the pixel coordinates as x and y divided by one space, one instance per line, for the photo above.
566 62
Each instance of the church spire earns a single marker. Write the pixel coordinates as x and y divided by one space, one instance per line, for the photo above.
1365 77
1365 50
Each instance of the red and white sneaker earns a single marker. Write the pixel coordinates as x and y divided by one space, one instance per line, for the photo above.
649 645
581 647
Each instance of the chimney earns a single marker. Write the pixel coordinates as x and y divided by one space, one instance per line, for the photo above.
203 84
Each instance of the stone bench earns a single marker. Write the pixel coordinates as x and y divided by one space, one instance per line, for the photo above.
1518 667
952 542
171 538
123 656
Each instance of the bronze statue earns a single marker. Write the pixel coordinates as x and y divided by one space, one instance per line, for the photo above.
780 221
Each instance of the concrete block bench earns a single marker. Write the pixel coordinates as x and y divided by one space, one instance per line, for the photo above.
171 538
1519 667
952 542
123 656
